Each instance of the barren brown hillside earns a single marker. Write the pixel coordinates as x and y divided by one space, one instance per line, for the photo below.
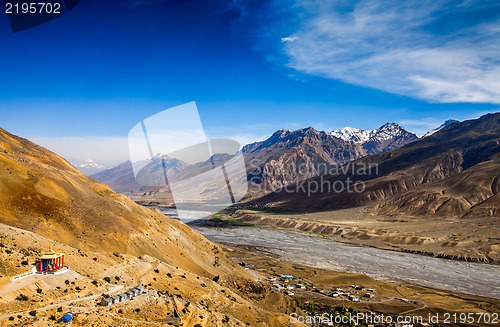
473 192
43 193
48 201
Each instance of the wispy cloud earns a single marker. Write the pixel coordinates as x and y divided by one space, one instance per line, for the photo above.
290 38
440 51
422 126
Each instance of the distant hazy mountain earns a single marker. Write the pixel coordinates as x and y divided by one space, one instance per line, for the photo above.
446 123
282 159
387 137
153 174
453 172
151 177
122 179
89 167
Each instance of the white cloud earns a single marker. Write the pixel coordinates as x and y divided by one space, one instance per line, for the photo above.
432 50
290 38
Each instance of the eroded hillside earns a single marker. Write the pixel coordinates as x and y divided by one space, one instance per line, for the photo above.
48 203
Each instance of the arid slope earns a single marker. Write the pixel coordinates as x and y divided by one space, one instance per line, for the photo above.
43 195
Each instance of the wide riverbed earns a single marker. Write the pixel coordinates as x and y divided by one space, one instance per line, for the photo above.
322 252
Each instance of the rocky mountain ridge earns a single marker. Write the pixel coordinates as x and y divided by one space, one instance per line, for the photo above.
453 172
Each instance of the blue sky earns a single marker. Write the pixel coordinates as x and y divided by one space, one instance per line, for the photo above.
79 83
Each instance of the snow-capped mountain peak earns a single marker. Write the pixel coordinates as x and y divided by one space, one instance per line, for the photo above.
89 167
352 134
160 156
385 132
90 164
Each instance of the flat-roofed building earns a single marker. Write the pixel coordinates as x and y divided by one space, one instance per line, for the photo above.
106 302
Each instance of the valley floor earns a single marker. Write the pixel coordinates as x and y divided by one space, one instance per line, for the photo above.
471 239
326 289
178 297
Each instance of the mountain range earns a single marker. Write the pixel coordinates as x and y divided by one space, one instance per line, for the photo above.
454 172
275 162
449 171
387 137
151 177
89 167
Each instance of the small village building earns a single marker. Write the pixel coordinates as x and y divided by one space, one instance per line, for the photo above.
106 302
353 298
50 262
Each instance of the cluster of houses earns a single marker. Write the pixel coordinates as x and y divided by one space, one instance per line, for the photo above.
129 295
287 284
352 295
